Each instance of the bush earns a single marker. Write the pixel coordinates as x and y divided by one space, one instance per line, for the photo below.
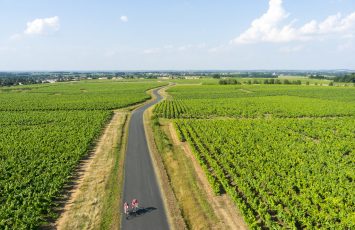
229 82
287 82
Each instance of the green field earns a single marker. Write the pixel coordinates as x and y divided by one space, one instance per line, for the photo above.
45 131
90 95
283 153
257 102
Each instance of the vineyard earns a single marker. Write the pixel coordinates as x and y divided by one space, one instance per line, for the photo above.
284 154
255 107
257 101
74 96
346 94
45 131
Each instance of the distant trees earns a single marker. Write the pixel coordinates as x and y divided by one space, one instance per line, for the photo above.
288 82
233 81
346 78
342 78
298 82
272 81
9 81
321 77
216 76
244 75
229 81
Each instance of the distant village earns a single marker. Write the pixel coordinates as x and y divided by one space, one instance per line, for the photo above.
25 78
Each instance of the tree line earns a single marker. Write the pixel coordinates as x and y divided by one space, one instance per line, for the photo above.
271 81
347 78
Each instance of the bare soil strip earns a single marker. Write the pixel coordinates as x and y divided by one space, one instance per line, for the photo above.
222 206
85 205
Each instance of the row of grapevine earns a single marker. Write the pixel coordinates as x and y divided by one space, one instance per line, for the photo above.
285 157
74 96
38 152
170 109
255 107
283 173
183 92
45 131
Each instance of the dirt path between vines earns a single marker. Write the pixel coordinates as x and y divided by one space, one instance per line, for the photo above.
85 205
223 206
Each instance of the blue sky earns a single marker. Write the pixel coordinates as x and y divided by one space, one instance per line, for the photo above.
176 34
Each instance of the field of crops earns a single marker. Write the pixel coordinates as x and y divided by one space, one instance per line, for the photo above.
284 154
254 107
257 101
74 96
45 131
346 94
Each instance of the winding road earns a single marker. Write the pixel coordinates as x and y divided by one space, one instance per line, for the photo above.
140 180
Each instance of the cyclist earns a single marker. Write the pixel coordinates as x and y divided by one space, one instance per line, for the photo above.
126 209
134 205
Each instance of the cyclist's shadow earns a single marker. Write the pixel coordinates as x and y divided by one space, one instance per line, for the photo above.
140 212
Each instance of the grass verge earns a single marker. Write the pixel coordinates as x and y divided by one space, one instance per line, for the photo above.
174 214
87 201
192 200
110 218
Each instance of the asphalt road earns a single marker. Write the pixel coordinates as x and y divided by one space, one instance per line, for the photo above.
140 179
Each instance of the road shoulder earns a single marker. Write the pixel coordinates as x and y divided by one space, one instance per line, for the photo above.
175 219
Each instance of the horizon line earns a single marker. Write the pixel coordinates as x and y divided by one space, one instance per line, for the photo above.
187 70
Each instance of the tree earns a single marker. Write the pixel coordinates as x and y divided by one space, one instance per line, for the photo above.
346 78
287 82
216 76
298 82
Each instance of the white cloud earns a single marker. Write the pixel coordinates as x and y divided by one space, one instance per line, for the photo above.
151 51
124 18
168 47
273 27
291 49
201 45
185 47
42 26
